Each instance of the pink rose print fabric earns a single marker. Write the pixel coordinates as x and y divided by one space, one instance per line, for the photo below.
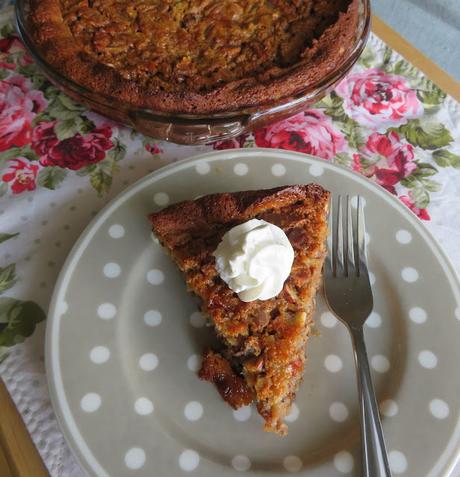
378 100
21 175
397 158
420 213
72 153
383 120
19 104
311 132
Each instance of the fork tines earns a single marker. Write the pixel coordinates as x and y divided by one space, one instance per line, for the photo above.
346 240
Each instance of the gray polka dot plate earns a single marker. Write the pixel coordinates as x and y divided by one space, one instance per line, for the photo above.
124 340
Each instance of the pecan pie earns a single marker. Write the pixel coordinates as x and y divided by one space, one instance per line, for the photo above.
262 353
194 56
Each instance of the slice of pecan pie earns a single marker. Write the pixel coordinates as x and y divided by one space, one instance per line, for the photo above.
263 343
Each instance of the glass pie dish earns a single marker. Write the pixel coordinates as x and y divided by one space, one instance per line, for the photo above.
193 129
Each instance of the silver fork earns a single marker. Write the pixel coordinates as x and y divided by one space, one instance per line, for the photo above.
349 295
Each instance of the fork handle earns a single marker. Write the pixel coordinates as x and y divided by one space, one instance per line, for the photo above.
375 460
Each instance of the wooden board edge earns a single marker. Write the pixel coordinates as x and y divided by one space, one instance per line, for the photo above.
16 445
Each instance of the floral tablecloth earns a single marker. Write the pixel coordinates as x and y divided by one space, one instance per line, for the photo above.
59 164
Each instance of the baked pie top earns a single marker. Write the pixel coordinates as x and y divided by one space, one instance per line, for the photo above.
194 55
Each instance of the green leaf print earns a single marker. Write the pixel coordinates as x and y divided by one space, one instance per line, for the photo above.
3 189
421 186
353 134
7 277
343 159
425 169
404 68
387 55
444 158
51 93
7 30
64 108
15 152
18 320
368 58
430 95
118 152
421 197
86 171
100 174
10 153
69 127
32 74
51 177
101 181
5 237
332 105
427 135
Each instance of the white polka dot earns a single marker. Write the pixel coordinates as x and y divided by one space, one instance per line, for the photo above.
316 170
106 311
409 274
397 461
343 462
403 237
193 411
135 458
189 460
152 318
427 359
278 170
148 361
380 363
155 277
354 201
242 414
292 463
203 168
112 270
194 362
294 414
143 406
241 463
99 354
389 408
371 278
116 231
338 412
90 402
417 315
197 320
161 198
457 313
333 363
439 409
374 320
62 308
328 320
241 169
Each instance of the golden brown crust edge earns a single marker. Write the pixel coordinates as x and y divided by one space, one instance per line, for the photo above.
227 207
59 48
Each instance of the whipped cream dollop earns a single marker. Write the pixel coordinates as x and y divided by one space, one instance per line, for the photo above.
254 259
